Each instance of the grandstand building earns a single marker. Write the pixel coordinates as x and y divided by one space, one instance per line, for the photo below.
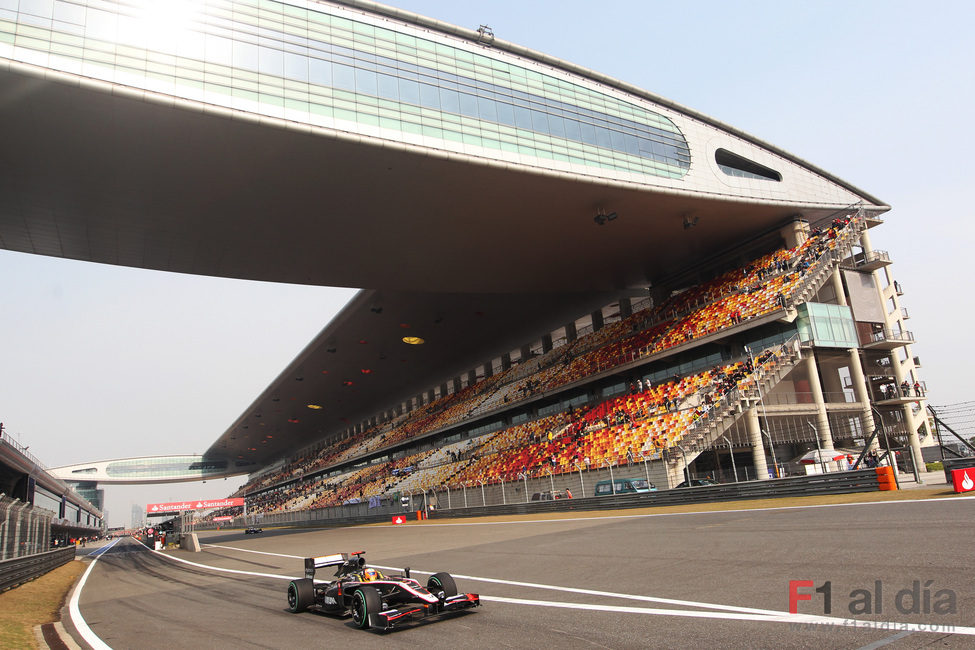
564 274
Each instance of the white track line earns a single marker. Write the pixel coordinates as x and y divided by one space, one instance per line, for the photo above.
731 612
532 585
247 550
79 621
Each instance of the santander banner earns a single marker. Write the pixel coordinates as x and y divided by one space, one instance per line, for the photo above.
181 506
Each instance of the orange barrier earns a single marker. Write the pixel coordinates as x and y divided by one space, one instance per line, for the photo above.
885 478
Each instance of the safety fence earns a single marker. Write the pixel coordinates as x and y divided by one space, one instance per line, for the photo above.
816 484
19 570
24 529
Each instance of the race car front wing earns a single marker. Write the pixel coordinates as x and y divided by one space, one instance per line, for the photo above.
389 618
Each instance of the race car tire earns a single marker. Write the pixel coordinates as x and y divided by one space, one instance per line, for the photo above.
442 582
365 603
301 594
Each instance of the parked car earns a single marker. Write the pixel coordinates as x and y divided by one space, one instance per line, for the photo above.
624 486
697 482
548 495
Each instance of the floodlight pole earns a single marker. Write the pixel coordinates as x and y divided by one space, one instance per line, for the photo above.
732 452
819 448
775 466
582 483
883 428
687 470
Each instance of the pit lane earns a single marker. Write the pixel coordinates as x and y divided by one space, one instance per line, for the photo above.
619 581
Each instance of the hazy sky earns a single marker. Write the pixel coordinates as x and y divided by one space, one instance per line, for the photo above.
103 362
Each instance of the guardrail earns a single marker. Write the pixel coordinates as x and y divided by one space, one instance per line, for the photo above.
835 483
19 570
816 484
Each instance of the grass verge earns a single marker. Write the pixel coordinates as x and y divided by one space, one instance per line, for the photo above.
35 603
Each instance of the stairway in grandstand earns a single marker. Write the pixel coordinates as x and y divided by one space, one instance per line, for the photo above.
721 419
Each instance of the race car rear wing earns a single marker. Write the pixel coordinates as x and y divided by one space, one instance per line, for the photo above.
336 559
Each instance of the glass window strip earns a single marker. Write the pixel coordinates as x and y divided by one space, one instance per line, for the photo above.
553 119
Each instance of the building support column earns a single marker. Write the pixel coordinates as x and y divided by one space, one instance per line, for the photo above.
570 332
863 395
626 308
597 320
822 420
758 445
838 287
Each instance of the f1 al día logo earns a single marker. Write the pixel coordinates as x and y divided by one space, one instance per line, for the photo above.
920 597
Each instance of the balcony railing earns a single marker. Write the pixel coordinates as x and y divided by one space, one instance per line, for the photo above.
871 261
889 338
904 313
898 288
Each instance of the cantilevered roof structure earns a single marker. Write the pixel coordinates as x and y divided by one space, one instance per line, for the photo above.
479 192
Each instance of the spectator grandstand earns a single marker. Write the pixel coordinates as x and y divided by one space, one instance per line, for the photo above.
671 402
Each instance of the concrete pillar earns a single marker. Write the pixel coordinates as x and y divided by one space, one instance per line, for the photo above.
865 242
472 377
597 320
547 343
505 361
570 332
458 385
860 390
795 233
626 307
758 446
838 286
526 353
488 369
822 420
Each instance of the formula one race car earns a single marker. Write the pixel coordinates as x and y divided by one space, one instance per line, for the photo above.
371 598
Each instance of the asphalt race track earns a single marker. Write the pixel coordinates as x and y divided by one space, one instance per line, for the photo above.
710 579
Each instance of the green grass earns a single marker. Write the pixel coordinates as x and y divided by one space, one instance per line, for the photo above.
35 603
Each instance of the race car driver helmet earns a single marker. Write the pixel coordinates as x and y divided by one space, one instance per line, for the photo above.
370 574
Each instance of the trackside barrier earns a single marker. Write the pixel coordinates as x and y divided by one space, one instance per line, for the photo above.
22 569
864 480
885 478
815 484
951 464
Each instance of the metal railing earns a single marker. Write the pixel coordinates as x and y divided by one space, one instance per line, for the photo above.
886 334
519 494
19 570
863 259
24 529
